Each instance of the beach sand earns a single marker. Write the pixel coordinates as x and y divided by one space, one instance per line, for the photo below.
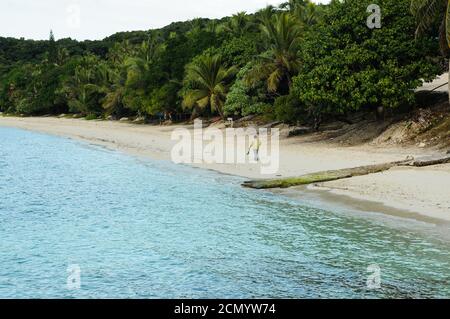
423 191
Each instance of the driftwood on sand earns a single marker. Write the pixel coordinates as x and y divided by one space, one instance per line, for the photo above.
327 176
431 160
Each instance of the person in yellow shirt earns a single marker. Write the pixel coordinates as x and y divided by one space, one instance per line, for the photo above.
255 145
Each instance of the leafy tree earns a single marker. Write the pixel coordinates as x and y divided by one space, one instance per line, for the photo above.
287 108
15 88
297 60
236 51
243 100
164 99
347 66
181 48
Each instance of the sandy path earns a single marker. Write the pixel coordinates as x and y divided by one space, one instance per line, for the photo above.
424 191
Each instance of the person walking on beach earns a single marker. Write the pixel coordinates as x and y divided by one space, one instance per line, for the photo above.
255 145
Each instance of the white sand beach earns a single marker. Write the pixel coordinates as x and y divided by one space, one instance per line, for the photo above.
424 191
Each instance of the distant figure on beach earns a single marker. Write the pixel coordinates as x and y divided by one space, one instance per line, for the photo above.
255 145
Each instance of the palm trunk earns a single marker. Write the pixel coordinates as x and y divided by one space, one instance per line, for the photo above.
289 79
220 111
194 113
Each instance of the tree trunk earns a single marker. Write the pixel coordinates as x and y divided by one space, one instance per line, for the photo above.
289 80
381 113
220 111
194 113
333 175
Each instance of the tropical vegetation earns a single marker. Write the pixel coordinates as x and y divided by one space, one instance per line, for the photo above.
299 62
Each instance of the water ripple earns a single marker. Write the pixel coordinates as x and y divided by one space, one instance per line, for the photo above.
148 229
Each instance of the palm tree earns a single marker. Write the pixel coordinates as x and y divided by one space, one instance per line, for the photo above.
212 26
88 82
208 79
304 10
138 64
427 13
238 24
62 55
130 72
306 13
196 26
113 102
151 48
266 14
77 90
280 62
120 51
291 5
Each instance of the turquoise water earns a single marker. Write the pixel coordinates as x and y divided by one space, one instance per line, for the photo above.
147 229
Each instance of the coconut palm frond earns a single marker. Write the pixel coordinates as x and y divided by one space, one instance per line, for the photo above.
429 12
280 62
426 13
204 102
210 80
260 71
190 98
274 79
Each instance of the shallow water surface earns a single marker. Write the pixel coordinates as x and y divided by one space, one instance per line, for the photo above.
146 229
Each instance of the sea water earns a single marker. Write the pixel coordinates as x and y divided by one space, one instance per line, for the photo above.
136 228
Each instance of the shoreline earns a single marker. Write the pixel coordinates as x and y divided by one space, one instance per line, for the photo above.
418 192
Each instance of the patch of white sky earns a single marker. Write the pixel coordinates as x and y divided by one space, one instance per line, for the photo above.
97 19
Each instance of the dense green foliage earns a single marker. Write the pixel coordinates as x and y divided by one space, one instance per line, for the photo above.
347 66
434 16
294 63
206 84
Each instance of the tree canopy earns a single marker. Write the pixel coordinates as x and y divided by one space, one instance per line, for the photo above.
295 62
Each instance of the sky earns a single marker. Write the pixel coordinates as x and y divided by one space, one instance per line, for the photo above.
97 19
